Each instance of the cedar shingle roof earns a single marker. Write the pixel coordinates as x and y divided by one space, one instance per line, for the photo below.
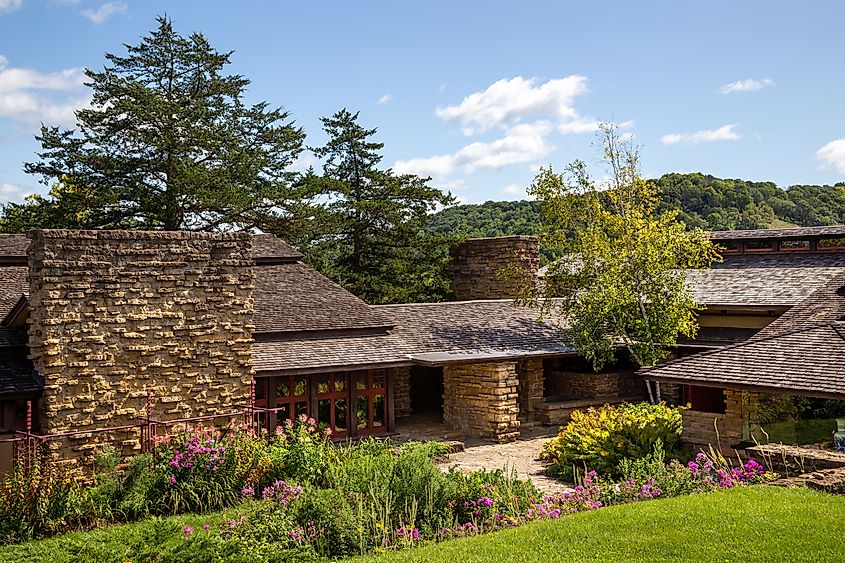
17 375
792 232
765 279
461 330
13 284
802 352
808 361
294 297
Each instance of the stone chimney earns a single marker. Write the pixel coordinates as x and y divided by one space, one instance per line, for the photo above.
478 265
116 315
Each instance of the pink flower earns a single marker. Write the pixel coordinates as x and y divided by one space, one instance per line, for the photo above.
205 527
187 531
172 480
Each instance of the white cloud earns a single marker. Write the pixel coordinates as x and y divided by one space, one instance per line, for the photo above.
104 12
10 6
513 189
521 144
507 101
832 155
747 85
723 133
29 96
13 192
386 99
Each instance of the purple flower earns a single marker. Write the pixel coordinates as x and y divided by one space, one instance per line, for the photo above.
248 491
187 531
172 480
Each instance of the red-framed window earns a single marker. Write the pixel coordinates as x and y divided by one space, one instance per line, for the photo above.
835 243
794 245
291 396
371 402
333 402
729 247
759 246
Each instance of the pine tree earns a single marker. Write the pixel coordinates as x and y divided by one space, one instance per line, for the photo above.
168 143
377 244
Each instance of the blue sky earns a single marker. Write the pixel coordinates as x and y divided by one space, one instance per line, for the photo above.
480 94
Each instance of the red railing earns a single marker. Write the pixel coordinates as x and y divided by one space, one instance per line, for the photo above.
26 444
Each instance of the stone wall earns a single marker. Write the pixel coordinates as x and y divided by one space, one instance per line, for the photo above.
530 375
702 429
118 314
481 400
402 392
566 385
478 266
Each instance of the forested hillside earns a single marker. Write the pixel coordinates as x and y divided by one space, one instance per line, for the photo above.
704 201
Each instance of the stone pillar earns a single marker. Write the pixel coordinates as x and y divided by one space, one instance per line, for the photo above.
118 314
402 392
479 266
481 400
530 374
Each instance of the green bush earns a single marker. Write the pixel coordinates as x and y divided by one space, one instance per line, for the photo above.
599 438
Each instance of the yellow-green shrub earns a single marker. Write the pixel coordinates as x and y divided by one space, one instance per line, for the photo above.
599 438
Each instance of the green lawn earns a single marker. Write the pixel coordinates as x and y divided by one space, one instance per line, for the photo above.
749 524
756 523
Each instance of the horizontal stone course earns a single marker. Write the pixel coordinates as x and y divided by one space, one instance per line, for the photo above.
103 335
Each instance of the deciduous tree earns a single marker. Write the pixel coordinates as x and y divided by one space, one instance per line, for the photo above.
624 279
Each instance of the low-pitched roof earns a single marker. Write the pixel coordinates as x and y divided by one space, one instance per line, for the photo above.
765 279
17 374
802 352
13 284
790 232
425 333
807 361
296 298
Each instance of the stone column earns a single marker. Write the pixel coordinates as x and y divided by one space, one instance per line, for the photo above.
116 315
530 374
478 266
402 392
481 400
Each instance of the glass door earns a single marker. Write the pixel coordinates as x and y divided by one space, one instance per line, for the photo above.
291 397
332 401
371 402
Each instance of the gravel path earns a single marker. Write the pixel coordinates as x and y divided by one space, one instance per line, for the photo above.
520 456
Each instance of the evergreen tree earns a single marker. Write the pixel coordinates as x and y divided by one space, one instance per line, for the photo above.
169 143
376 243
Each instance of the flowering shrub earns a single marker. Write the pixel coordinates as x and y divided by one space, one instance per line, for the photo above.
599 438
204 469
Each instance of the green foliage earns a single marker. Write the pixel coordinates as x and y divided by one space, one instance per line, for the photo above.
37 501
169 143
624 280
600 438
375 242
702 201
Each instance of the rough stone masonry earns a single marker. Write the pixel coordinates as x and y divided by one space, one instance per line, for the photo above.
118 314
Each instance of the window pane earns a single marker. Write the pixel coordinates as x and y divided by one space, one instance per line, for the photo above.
323 383
324 411
361 411
283 412
378 410
282 387
300 407
259 389
361 381
378 380
340 415
339 382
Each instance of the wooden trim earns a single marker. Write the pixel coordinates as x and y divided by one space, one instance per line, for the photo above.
391 410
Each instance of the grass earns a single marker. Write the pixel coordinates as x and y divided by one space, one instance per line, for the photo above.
754 524
146 541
